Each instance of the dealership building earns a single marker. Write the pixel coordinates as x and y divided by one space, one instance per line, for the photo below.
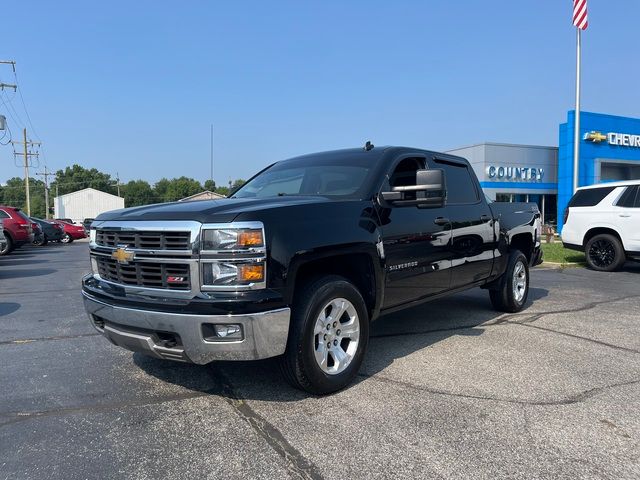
609 151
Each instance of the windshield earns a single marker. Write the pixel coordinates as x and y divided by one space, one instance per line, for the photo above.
339 180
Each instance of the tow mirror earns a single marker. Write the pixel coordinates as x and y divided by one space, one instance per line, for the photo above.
429 191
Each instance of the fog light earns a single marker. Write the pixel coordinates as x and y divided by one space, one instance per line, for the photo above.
228 331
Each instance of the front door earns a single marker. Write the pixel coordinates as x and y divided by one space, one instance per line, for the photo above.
416 244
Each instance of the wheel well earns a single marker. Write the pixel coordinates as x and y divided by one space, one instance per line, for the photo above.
598 231
8 234
524 243
358 269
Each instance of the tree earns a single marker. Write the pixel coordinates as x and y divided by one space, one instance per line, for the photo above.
76 178
13 193
171 190
138 192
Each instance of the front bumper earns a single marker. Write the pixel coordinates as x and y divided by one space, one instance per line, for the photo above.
177 336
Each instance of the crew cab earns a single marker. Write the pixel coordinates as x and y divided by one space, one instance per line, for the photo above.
603 221
300 259
18 228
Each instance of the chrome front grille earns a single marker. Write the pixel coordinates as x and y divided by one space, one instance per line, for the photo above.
144 239
170 276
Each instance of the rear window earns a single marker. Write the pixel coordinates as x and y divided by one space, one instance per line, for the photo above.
590 197
24 217
630 198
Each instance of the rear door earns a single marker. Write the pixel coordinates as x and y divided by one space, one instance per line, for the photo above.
627 210
472 226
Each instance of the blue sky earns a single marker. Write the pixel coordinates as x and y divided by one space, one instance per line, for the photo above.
132 87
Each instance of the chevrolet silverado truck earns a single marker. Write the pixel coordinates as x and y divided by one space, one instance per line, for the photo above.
300 260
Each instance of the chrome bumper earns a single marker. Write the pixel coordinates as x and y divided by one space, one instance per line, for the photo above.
264 334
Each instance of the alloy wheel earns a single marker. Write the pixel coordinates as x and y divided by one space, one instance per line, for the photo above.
519 282
336 336
602 253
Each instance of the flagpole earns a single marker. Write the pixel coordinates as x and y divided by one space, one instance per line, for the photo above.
576 123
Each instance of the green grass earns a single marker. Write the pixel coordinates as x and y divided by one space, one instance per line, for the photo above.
556 253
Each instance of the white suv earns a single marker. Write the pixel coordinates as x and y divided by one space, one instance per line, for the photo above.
603 221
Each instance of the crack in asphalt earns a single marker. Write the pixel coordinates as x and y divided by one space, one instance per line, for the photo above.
21 416
577 398
297 464
46 339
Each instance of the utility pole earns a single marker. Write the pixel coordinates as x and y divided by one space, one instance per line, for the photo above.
8 85
26 144
46 176
118 182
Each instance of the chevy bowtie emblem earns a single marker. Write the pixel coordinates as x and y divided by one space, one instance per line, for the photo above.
595 137
122 255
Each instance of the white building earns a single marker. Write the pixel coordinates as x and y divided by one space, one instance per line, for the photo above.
86 203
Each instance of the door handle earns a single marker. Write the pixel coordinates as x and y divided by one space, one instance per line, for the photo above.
624 215
485 218
442 221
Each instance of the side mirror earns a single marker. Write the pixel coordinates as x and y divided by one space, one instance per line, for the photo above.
429 191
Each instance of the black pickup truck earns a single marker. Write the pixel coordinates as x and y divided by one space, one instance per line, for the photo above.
300 259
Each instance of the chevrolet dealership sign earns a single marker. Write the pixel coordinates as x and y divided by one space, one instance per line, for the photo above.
612 138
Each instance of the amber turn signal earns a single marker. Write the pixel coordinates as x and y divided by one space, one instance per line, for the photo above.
251 273
250 238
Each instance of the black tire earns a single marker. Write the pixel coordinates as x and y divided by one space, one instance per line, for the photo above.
299 364
504 298
42 242
66 238
9 246
604 253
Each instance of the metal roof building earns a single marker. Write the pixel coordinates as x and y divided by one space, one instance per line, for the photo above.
85 203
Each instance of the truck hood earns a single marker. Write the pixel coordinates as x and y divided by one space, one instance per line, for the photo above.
218 211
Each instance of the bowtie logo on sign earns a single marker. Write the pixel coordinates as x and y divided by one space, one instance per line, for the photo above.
613 138
526 174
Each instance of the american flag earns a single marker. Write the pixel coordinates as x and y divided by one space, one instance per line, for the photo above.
580 18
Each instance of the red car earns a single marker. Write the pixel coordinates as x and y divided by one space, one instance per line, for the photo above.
18 228
71 231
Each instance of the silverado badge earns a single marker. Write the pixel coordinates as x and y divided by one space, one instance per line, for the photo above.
122 255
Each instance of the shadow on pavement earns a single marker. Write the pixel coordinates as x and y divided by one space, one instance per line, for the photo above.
35 272
393 336
7 308
20 262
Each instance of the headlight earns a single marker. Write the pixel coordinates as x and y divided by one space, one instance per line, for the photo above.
232 239
94 266
233 274
233 256
92 235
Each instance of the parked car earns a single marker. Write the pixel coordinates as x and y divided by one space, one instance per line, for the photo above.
3 239
302 258
603 221
38 234
71 231
86 223
17 228
52 231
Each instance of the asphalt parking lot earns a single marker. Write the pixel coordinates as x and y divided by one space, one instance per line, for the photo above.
451 389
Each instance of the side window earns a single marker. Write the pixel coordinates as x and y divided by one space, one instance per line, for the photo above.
461 188
630 198
589 197
4 214
405 174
